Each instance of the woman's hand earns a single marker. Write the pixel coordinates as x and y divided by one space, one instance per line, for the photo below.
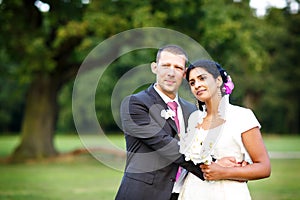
228 162
213 172
218 170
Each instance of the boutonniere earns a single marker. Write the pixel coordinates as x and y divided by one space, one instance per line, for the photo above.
168 113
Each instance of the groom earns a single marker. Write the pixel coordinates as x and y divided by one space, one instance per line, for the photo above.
151 138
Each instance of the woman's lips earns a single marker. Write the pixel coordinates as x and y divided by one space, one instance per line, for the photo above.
200 91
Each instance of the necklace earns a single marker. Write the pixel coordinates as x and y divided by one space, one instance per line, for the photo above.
210 122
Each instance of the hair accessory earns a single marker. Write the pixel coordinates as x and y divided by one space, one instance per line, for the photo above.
227 81
228 86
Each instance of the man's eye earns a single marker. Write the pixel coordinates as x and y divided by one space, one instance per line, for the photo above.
192 83
179 68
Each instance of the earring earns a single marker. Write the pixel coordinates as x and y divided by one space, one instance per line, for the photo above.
223 89
220 92
197 104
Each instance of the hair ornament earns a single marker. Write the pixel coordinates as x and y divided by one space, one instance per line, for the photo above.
228 86
227 81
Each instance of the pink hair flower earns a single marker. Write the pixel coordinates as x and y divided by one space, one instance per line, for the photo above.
228 87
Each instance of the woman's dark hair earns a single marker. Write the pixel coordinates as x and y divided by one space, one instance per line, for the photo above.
212 67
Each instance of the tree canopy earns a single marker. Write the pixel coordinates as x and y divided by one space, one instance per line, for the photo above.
41 53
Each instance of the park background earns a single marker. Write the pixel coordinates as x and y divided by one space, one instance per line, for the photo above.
43 44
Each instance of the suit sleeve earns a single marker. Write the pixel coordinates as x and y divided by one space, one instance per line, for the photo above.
145 123
141 122
194 169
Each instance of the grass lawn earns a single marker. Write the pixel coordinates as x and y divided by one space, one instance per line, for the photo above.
80 178
84 177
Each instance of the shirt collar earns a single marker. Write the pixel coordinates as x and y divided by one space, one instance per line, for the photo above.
165 98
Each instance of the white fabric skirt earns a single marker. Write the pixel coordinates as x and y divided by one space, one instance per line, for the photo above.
196 189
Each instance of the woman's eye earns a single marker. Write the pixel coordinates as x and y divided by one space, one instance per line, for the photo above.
192 83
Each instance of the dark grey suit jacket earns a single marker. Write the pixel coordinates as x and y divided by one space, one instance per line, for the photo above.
152 147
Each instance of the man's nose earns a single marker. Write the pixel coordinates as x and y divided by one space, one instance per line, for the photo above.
171 70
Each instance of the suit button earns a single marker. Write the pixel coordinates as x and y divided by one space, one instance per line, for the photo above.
172 179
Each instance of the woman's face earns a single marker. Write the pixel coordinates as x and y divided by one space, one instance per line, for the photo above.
203 85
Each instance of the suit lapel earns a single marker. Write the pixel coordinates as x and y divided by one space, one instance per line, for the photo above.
157 106
184 113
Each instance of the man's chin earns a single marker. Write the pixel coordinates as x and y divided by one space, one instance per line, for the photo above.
168 89
172 93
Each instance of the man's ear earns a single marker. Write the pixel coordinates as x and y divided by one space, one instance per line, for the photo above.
154 67
184 74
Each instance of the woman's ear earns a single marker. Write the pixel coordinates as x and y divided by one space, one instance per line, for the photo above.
154 67
219 81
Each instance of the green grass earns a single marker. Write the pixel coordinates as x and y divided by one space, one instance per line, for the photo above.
84 177
284 182
282 143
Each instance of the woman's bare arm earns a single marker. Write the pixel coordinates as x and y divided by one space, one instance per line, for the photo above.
261 167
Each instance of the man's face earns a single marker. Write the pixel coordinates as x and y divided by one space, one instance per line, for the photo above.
169 72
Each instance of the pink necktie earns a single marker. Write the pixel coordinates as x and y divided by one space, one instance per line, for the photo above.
173 105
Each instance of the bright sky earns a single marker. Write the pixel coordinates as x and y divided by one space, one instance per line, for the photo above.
261 5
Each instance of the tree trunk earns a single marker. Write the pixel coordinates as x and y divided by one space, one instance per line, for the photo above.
251 99
39 121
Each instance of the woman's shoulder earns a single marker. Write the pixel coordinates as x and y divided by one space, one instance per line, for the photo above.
245 116
239 109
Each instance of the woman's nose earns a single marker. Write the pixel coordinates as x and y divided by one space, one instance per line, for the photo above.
197 84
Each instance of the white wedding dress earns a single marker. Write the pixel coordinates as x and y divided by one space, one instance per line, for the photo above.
222 141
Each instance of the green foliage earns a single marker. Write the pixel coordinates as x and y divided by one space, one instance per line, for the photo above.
261 54
281 99
65 123
230 38
12 104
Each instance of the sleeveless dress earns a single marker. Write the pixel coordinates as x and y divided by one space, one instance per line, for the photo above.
224 141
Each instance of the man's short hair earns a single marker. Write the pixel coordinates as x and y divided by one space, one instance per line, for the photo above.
174 49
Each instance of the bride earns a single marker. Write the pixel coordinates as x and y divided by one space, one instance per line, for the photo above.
219 129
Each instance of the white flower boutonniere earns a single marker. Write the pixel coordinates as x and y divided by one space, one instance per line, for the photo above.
167 114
